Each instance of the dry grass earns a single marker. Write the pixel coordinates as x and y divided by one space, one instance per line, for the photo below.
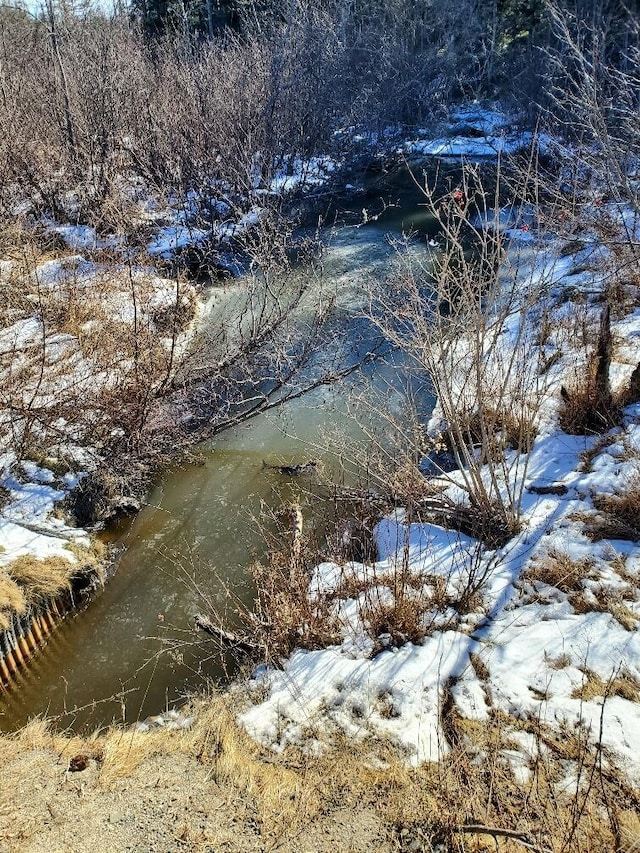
560 570
587 456
89 557
587 410
57 465
620 565
28 579
623 615
42 579
588 405
604 601
459 803
623 685
38 735
408 485
560 662
479 666
434 803
620 513
123 752
12 600
405 620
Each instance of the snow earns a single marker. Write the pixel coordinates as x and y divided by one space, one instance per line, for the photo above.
476 132
27 524
347 693
300 174
540 646
173 237
84 238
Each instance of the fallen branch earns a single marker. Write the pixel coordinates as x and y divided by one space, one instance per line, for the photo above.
224 637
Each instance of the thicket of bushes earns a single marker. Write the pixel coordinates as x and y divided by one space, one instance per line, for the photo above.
92 103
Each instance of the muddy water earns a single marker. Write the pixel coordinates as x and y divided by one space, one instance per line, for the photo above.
133 651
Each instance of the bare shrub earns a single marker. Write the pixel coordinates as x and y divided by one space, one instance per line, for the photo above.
594 86
451 319
94 113
285 617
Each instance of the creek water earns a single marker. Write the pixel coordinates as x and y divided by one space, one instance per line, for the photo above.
133 651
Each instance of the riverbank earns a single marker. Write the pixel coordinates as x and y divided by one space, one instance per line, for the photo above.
541 624
106 363
492 683
522 613
212 787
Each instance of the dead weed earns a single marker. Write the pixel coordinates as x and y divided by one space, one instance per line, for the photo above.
471 801
560 570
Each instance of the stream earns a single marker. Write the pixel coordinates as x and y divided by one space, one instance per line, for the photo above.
132 651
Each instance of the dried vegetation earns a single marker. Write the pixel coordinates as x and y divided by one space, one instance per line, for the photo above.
561 571
474 800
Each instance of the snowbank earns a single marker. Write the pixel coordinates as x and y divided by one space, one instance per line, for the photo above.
560 649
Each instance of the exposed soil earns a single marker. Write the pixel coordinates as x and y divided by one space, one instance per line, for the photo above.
169 802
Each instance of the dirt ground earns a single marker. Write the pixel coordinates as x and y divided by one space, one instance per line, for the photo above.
169 804
209 788
162 802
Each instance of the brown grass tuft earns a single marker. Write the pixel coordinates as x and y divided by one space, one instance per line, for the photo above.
588 410
123 752
559 570
588 406
587 456
41 579
12 598
623 685
620 514
479 666
402 621
496 430
560 662
613 603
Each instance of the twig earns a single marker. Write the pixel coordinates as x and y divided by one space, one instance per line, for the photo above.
498 832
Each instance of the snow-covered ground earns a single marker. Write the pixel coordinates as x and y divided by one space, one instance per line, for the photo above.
475 132
211 215
67 346
553 636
